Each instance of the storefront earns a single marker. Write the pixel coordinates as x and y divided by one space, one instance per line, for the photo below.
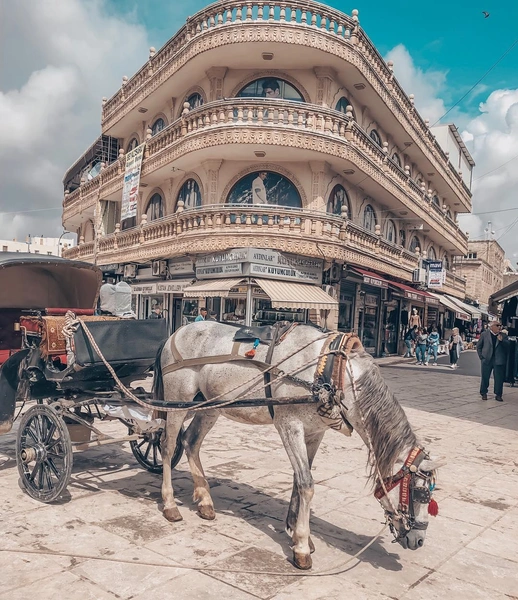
253 286
454 316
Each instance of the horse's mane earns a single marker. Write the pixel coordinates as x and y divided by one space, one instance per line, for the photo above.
384 419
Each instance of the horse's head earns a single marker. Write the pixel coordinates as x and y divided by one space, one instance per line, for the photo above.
406 498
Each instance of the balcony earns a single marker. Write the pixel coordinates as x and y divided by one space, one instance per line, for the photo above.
310 132
311 27
218 228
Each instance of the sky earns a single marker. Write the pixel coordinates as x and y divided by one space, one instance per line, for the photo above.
58 58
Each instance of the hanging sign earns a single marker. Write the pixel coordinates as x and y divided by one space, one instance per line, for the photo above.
436 274
131 183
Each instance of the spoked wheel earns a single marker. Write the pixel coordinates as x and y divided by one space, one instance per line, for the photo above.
43 453
147 451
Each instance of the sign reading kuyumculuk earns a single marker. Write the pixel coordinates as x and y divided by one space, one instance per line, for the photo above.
436 274
254 262
131 182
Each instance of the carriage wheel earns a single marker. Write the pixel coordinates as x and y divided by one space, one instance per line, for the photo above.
43 453
147 451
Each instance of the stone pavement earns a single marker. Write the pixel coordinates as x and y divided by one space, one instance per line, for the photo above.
107 539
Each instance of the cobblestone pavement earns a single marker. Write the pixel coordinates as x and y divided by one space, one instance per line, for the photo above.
108 539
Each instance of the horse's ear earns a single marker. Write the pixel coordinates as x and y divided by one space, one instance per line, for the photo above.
430 464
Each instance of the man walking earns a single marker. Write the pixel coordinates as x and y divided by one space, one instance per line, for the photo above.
202 316
492 349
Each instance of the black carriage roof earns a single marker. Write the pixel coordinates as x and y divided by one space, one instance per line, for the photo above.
41 281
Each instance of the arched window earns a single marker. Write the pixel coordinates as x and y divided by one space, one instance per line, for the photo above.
436 201
157 126
190 194
342 105
432 255
155 208
449 215
89 231
338 198
402 238
132 144
270 87
414 243
376 137
265 187
369 218
446 262
390 232
396 159
194 100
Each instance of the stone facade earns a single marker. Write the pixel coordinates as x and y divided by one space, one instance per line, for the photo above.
483 268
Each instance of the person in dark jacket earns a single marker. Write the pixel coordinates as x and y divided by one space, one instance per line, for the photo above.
410 338
492 349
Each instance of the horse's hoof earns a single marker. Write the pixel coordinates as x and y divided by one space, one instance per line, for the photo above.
173 514
207 512
311 546
302 561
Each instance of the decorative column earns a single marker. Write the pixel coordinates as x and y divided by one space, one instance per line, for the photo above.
318 172
212 168
216 77
325 77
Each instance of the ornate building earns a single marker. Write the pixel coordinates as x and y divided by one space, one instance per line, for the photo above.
280 151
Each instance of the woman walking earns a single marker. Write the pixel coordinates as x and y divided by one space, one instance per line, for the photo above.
455 347
433 345
420 348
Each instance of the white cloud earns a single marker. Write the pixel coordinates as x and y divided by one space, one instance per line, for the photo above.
491 137
60 58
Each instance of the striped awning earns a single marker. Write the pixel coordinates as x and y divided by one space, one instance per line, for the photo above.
287 294
469 308
459 314
214 288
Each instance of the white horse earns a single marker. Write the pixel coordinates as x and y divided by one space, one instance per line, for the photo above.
370 408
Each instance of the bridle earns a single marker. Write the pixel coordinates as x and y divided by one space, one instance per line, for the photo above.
409 493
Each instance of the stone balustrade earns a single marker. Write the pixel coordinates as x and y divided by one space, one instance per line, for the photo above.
253 121
349 42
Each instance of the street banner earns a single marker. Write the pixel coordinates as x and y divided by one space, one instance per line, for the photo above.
436 274
131 182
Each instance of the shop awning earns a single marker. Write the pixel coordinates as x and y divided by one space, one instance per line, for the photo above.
219 288
371 278
469 308
459 314
414 294
286 294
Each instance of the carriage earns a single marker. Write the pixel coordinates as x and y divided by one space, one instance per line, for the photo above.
49 366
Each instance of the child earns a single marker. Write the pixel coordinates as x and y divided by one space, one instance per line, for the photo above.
433 345
420 349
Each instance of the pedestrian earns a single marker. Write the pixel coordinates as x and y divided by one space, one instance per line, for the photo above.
455 347
492 349
410 338
433 345
420 346
202 316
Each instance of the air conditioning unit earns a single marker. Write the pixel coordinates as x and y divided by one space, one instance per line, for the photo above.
335 273
159 268
329 289
130 271
419 276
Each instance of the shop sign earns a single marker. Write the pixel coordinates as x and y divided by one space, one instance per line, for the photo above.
431 300
144 288
180 267
109 268
171 287
375 282
224 258
436 274
218 270
414 296
285 272
371 300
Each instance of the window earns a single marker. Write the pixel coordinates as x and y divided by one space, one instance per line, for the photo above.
49 253
337 199
436 201
376 137
471 255
396 159
190 194
342 105
402 238
369 218
194 100
446 262
132 145
414 243
155 208
270 87
431 253
5 249
265 187
390 233
157 126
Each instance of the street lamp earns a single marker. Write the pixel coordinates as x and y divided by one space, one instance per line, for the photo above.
60 250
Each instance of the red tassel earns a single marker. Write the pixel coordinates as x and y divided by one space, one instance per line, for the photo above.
433 508
250 353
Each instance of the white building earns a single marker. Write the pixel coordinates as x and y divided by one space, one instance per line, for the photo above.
40 245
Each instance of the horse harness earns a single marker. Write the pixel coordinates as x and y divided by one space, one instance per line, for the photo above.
409 493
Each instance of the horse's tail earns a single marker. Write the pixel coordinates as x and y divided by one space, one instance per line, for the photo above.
158 381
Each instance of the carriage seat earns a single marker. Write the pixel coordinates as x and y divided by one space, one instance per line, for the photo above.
263 333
